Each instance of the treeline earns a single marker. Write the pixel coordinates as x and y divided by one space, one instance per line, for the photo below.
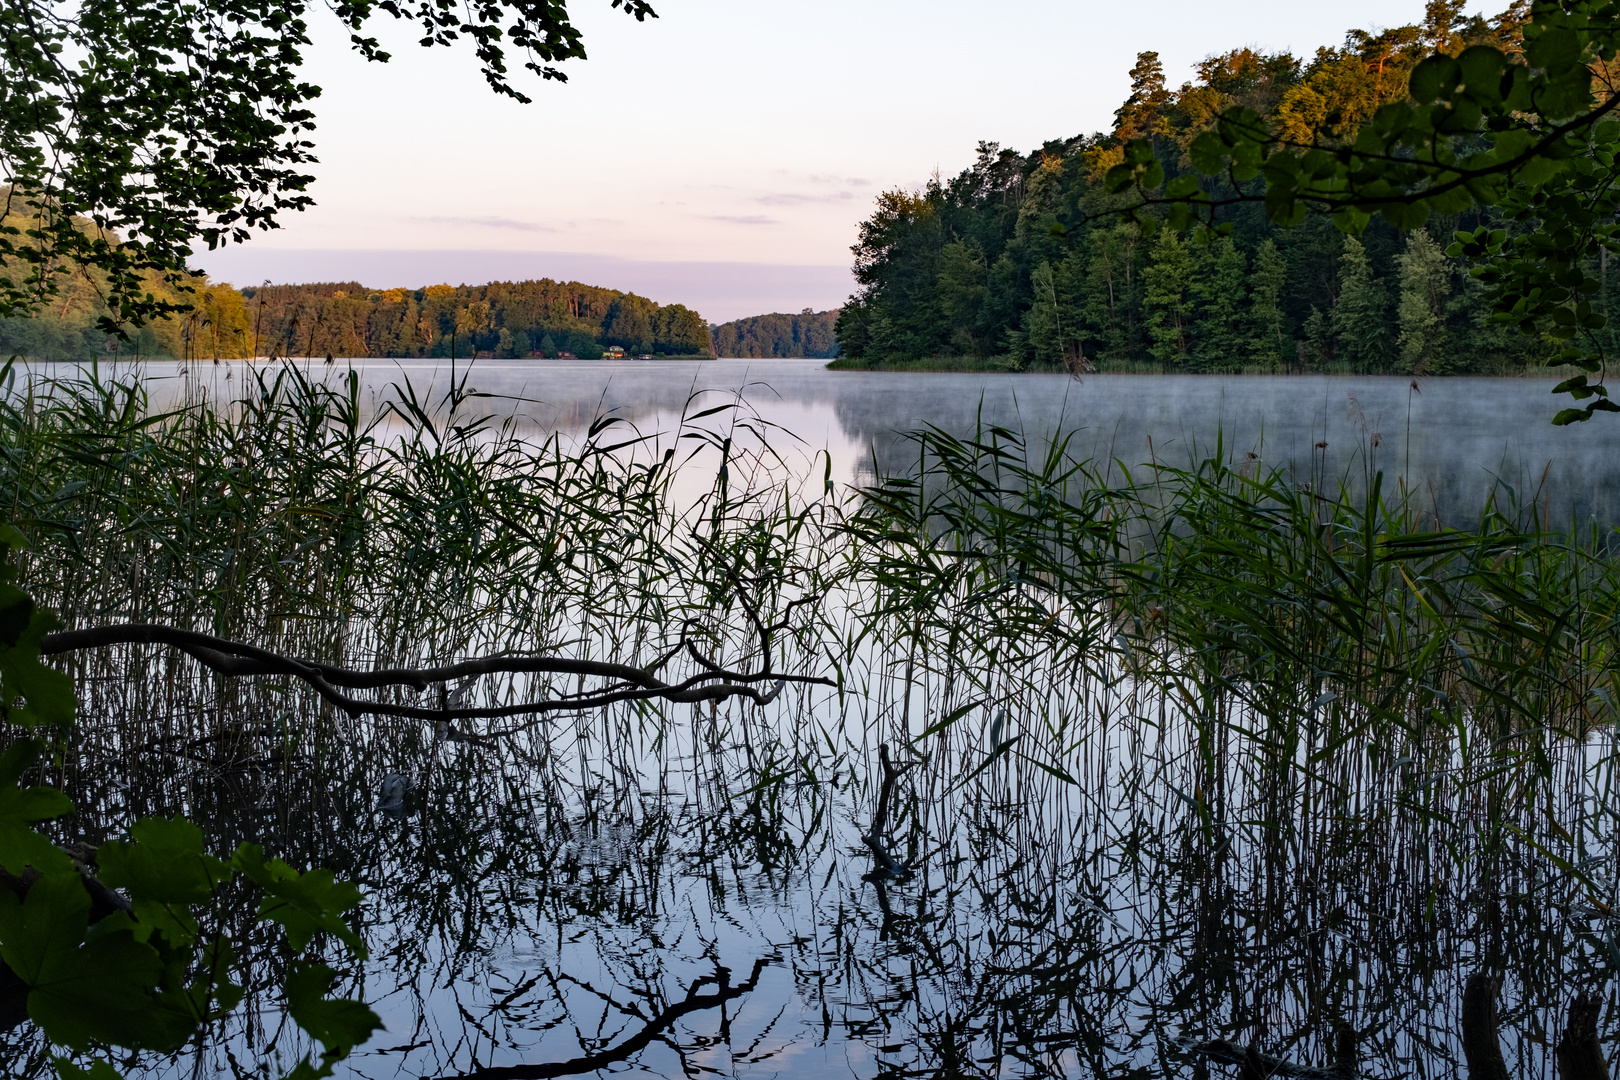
808 334
1026 257
502 319
67 326
345 319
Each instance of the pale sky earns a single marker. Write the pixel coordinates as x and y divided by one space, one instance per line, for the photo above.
723 154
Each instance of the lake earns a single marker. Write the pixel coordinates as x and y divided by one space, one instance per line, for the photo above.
1110 835
1450 439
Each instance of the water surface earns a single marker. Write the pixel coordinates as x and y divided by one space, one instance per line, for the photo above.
1451 441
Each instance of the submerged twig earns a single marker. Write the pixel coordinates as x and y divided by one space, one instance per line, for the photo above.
693 1002
874 837
1253 1063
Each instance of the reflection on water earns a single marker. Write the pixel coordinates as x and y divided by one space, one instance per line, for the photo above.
704 891
698 900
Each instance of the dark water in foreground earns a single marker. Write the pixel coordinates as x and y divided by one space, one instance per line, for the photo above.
686 892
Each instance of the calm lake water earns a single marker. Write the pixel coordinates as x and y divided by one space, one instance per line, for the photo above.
1451 441
691 895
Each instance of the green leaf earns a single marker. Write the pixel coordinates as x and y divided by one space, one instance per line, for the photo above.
47 693
1555 50
1405 216
1207 153
36 932
1434 77
305 904
16 612
1119 178
339 1023
163 862
1481 69
20 845
82 992
1184 186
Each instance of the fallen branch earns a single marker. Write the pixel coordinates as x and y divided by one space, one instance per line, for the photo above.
1482 1047
625 682
1580 1053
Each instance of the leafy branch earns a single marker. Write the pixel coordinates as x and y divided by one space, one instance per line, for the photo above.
113 949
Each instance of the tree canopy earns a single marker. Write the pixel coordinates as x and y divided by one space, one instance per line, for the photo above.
1431 197
807 334
132 130
1436 123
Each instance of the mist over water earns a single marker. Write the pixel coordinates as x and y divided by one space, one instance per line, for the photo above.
1451 441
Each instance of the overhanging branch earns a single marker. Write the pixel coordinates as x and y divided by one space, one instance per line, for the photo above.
622 682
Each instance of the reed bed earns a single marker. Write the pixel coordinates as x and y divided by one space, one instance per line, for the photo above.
1218 749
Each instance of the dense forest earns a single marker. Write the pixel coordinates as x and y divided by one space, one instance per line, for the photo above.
1024 256
503 319
66 327
345 319
807 334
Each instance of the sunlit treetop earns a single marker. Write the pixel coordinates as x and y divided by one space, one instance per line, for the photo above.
1512 115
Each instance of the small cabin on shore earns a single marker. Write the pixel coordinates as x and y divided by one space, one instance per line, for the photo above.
613 352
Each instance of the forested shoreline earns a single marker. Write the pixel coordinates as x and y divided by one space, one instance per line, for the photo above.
809 334
503 319
1025 258
345 319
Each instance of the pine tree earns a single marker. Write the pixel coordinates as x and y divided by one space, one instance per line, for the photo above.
1043 326
1317 349
1361 317
1167 301
1110 308
1267 344
1425 281
1219 273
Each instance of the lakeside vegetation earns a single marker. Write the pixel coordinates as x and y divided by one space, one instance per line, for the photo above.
1240 695
1017 761
1024 256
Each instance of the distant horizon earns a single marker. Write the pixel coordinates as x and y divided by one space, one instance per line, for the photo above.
729 150
719 291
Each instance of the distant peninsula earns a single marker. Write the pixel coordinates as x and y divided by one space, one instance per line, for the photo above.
809 334
500 320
